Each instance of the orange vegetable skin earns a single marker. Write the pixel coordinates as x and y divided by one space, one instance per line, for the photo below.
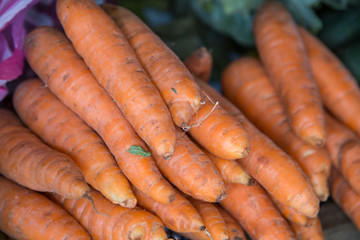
247 85
313 232
62 129
235 230
339 90
168 73
197 235
271 167
26 160
192 171
113 222
179 215
284 56
255 212
26 214
200 63
52 57
113 62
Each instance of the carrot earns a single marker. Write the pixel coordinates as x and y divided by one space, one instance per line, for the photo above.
212 218
192 171
200 63
255 212
345 196
235 230
343 146
284 56
197 235
52 57
271 167
26 214
113 62
26 160
168 73
313 232
247 85
339 90
62 129
179 215
112 221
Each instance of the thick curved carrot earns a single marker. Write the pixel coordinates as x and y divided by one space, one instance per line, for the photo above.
235 230
168 73
111 221
62 129
270 166
339 90
28 161
192 171
200 63
179 215
254 210
113 62
284 56
313 232
52 57
26 214
343 146
247 85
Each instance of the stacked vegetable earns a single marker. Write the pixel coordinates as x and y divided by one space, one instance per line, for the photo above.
115 108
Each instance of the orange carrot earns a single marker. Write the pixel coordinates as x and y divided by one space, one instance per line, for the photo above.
339 90
168 73
235 230
26 160
284 56
343 146
197 235
200 63
313 232
26 214
255 212
113 62
179 215
247 85
62 129
52 57
192 171
271 167
111 221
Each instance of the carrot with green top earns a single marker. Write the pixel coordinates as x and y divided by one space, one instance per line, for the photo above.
52 57
312 232
200 63
62 129
113 62
283 53
235 230
28 161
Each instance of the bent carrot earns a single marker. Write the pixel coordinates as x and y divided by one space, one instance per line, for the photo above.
339 90
62 129
270 166
26 160
247 85
113 62
200 63
168 73
284 56
111 221
313 232
235 230
52 57
26 214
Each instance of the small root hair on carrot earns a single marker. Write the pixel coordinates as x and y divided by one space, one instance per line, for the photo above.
88 196
187 128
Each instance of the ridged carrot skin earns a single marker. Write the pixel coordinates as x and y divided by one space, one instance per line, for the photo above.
339 90
200 63
280 175
343 146
26 214
235 230
111 221
254 210
62 129
247 85
168 73
313 232
179 215
28 161
113 62
52 57
192 171
284 56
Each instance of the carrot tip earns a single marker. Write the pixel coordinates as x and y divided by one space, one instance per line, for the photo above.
221 197
167 156
203 228
251 182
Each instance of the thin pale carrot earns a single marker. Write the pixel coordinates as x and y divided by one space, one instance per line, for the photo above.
312 232
235 230
113 62
200 63
283 53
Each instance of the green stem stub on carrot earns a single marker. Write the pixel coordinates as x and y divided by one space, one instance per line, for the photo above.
138 150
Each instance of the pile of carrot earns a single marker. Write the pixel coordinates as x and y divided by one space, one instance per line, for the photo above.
118 138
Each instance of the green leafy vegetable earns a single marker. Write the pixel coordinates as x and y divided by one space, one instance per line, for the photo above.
137 150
